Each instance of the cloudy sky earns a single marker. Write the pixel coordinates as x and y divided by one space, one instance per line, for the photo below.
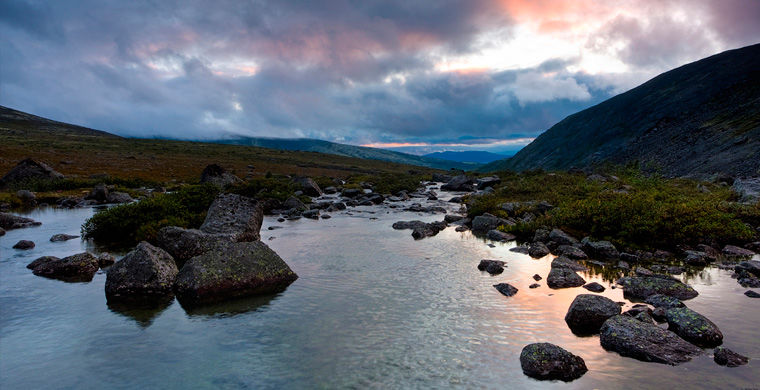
414 75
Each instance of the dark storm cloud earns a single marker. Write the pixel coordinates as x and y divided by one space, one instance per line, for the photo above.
358 72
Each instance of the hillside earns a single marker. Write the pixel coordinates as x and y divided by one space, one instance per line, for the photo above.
697 120
320 146
78 151
470 156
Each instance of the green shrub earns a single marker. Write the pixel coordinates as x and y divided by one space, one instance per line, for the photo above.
280 188
130 223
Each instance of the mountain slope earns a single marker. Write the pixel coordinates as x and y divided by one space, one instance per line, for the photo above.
320 146
10 117
697 120
471 156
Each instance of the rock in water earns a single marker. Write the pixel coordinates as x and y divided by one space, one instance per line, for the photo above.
588 312
459 183
230 270
10 222
564 262
184 244
594 287
547 362
233 214
2 232
751 294
602 250
62 237
308 186
24 245
693 327
664 301
506 289
27 170
145 274
538 249
564 278
484 223
729 358
77 268
218 176
497 235
493 267
106 260
642 287
646 342
561 237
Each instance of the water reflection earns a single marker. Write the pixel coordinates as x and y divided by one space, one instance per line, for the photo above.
230 308
143 313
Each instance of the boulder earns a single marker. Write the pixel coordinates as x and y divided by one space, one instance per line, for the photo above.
441 178
520 249
29 170
736 252
664 301
561 237
459 183
2 232
308 186
486 182
26 196
119 197
603 250
147 273
541 235
506 289
451 218
77 268
106 260
62 237
497 235
644 341
751 266
401 225
428 230
294 203
233 214
696 258
24 245
571 252
311 214
230 270
537 277
564 278
330 190
9 222
99 194
547 361
538 250
693 327
588 312
564 262
642 287
747 189
493 267
752 294
351 192
594 287
184 244
484 223
218 176
726 357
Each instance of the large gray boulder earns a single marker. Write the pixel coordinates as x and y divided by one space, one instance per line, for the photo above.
602 250
484 223
184 244
76 268
29 170
747 189
234 214
230 270
588 312
547 361
308 186
561 237
564 278
641 287
538 249
693 327
460 183
645 341
146 273
218 176
9 222
733 251
564 262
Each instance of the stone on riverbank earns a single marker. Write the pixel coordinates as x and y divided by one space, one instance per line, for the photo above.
646 342
547 361
146 273
588 312
230 270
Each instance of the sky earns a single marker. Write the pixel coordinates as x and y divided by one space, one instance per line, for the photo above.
410 75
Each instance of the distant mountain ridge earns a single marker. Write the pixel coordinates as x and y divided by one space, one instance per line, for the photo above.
471 156
321 146
9 115
697 120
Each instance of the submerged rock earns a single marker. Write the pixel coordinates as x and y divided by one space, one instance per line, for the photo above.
547 361
232 269
76 268
693 327
642 287
493 267
144 274
233 214
646 342
564 278
726 357
588 312
62 237
506 289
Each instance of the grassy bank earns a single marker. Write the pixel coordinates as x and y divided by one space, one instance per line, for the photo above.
626 207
